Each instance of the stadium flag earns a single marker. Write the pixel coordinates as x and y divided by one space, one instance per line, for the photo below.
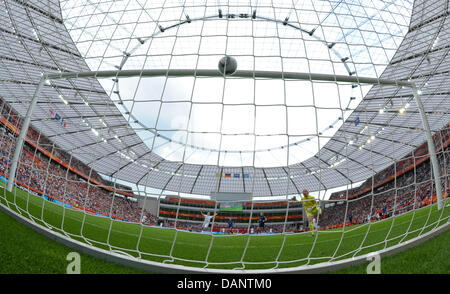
58 117
357 121
230 206
237 176
246 176
227 175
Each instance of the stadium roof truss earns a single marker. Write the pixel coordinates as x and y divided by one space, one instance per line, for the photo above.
36 40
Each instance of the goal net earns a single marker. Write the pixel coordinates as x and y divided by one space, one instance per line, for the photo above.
158 148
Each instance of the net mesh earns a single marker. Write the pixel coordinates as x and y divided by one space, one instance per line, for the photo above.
130 163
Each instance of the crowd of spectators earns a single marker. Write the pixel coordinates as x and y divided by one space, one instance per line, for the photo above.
410 160
44 176
413 189
16 121
221 228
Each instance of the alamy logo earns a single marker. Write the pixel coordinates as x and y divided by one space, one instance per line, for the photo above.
74 267
374 267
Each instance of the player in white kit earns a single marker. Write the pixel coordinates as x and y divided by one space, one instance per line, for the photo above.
207 221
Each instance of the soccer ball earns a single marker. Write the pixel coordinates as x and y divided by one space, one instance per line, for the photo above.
227 65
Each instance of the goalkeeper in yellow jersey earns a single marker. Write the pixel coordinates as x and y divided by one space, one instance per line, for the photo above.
311 208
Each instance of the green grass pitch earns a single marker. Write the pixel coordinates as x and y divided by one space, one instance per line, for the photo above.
200 250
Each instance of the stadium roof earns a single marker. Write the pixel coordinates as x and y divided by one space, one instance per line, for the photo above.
35 38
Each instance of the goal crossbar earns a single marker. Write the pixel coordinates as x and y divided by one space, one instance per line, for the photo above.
237 74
